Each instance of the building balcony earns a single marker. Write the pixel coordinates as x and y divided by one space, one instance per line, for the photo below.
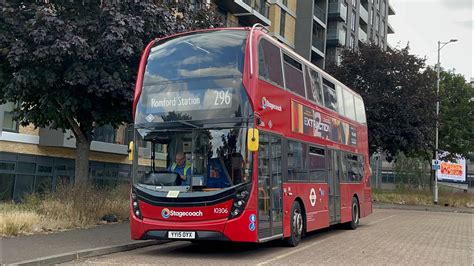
391 11
318 43
362 35
363 15
319 13
337 11
390 29
249 11
336 37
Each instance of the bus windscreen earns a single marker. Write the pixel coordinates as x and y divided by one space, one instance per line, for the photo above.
197 76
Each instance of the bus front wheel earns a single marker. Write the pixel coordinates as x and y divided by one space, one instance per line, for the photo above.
296 225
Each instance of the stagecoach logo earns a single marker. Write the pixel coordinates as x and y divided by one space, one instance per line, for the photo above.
267 104
167 213
312 197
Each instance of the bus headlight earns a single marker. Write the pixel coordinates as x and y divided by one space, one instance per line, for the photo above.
135 206
240 200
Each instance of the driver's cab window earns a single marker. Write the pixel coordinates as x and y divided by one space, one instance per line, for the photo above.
200 160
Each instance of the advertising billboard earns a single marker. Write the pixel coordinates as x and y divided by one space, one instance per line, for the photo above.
310 122
452 171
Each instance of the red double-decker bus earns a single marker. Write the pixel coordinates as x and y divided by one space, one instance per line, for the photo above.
273 146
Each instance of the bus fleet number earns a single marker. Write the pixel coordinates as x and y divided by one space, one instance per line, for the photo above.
222 98
220 210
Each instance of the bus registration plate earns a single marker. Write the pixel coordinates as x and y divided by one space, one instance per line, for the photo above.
181 235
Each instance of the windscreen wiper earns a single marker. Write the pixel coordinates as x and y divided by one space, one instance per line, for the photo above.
187 124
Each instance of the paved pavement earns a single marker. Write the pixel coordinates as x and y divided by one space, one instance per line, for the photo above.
388 236
418 225
25 248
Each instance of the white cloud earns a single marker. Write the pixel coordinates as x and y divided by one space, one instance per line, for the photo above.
423 23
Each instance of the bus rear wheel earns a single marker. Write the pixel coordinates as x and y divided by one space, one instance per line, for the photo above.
296 225
355 215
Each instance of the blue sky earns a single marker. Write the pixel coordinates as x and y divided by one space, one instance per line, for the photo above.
422 23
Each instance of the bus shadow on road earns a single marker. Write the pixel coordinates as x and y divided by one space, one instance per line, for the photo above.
235 250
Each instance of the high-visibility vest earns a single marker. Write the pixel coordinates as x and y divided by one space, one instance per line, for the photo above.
186 167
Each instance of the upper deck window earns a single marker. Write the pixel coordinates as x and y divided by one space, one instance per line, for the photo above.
294 79
314 86
198 55
360 110
349 104
269 63
330 100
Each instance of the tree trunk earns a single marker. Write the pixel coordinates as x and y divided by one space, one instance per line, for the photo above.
83 147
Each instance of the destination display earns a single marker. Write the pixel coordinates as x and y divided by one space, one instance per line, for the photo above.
307 121
187 100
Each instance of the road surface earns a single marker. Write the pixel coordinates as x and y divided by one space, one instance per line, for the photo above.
385 237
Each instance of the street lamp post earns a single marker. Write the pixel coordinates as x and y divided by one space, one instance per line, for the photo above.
438 67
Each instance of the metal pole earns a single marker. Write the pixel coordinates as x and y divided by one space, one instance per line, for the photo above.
435 196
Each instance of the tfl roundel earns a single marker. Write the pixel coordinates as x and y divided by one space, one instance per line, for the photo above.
312 197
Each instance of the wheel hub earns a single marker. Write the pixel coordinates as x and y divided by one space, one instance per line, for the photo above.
298 223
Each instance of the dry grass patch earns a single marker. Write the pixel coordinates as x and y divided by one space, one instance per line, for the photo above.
81 206
18 221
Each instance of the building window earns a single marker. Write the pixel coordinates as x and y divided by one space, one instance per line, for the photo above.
382 28
372 16
377 21
354 3
284 2
352 42
382 8
344 11
342 36
105 133
282 23
353 21
339 59
9 124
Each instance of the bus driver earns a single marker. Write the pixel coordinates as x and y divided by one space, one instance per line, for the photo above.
181 167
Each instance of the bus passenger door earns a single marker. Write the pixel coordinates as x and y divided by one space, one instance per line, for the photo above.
334 180
270 201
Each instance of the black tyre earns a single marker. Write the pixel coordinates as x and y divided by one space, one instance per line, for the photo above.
296 225
355 215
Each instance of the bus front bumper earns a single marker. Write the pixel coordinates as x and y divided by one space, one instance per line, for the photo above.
222 229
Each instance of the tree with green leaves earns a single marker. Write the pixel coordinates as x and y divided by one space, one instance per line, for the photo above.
399 95
456 115
72 65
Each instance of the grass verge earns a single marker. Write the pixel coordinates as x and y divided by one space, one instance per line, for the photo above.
446 197
81 206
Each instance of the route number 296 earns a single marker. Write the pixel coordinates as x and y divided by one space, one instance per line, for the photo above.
222 98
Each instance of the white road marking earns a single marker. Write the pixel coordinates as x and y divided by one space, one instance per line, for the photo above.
311 245
291 252
381 220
